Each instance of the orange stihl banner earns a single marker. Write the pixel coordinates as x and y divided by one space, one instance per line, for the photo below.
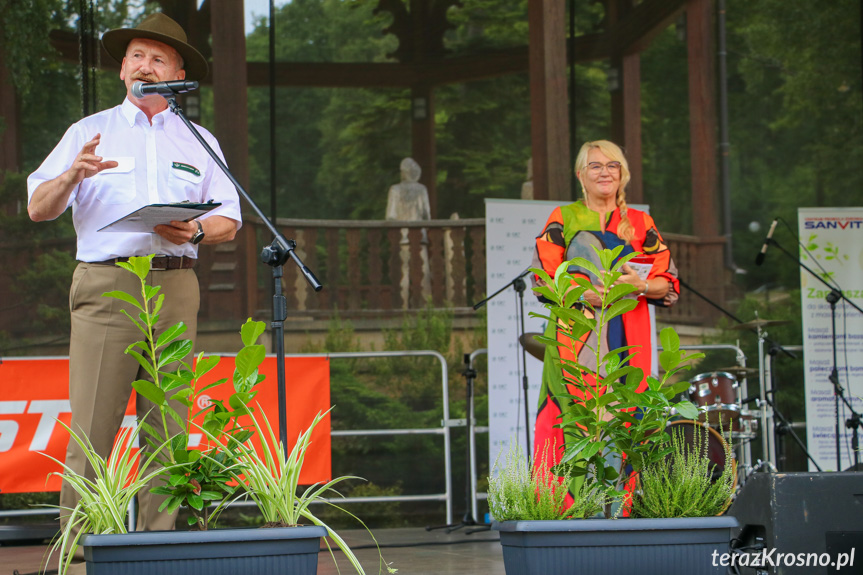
34 394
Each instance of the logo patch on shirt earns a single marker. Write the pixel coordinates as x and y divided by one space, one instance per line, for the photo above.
186 168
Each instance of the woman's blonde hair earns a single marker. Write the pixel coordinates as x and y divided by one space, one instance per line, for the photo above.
612 151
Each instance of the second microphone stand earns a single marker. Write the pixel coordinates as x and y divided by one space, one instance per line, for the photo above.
519 286
852 422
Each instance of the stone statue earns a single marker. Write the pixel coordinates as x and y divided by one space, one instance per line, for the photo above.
408 201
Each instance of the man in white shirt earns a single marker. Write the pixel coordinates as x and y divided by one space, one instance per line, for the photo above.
106 166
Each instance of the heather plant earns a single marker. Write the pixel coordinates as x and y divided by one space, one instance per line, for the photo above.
682 484
520 490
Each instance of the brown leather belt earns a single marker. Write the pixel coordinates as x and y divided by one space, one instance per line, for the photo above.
159 263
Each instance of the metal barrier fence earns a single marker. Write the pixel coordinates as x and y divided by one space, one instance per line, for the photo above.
444 430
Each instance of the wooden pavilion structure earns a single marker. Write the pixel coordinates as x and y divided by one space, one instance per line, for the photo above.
217 29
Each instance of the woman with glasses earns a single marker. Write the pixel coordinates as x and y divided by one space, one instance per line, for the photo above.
601 219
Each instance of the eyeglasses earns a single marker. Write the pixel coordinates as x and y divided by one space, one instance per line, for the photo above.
595 168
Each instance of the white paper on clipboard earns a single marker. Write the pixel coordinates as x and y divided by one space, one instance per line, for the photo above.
143 220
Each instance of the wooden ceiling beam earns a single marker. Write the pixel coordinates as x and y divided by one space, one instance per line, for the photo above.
639 26
432 72
631 34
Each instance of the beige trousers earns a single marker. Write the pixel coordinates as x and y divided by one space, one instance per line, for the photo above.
101 374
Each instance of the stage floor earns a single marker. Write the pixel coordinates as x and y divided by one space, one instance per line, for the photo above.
413 551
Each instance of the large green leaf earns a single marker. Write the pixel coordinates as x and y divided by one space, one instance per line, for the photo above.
248 359
178 479
251 331
149 390
582 263
175 351
669 359
592 449
123 296
620 308
687 409
541 273
171 334
546 292
669 339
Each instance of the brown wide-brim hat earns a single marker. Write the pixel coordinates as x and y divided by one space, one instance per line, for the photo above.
162 29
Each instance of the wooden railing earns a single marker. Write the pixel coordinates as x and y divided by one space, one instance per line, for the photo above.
378 266
372 268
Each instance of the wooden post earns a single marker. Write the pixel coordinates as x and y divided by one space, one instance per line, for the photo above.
228 70
548 100
423 148
703 144
702 118
631 73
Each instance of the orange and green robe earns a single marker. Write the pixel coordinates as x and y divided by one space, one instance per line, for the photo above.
570 232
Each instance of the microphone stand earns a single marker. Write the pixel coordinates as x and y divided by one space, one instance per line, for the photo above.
469 517
852 422
519 286
783 426
274 255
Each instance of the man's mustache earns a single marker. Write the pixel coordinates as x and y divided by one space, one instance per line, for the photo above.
144 77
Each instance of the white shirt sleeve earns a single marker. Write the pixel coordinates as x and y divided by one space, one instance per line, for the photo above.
58 161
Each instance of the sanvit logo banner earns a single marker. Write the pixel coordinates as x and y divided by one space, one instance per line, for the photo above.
34 394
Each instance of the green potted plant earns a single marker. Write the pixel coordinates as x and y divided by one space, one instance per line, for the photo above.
228 469
604 434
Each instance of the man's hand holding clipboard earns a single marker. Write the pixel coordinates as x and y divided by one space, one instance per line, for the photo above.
143 220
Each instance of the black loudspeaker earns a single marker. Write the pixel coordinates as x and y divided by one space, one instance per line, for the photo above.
799 523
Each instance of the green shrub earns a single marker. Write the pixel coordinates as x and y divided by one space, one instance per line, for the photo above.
522 491
680 485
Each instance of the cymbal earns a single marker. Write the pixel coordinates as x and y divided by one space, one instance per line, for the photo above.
739 371
759 323
532 346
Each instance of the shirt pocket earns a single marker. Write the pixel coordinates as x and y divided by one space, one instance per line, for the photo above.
117 185
186 185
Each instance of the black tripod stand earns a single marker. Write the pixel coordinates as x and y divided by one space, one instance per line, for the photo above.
469 517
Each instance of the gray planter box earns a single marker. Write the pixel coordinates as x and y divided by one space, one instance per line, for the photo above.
283 550
683 546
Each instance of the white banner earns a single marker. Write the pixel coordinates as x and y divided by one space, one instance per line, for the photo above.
834 240
510 232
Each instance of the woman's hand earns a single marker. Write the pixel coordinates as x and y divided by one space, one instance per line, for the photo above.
630 277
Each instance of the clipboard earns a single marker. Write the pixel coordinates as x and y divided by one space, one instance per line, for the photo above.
143 220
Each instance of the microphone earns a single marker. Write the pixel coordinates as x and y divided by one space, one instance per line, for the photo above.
759 259
166 89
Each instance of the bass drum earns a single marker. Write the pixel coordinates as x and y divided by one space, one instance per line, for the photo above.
716 446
